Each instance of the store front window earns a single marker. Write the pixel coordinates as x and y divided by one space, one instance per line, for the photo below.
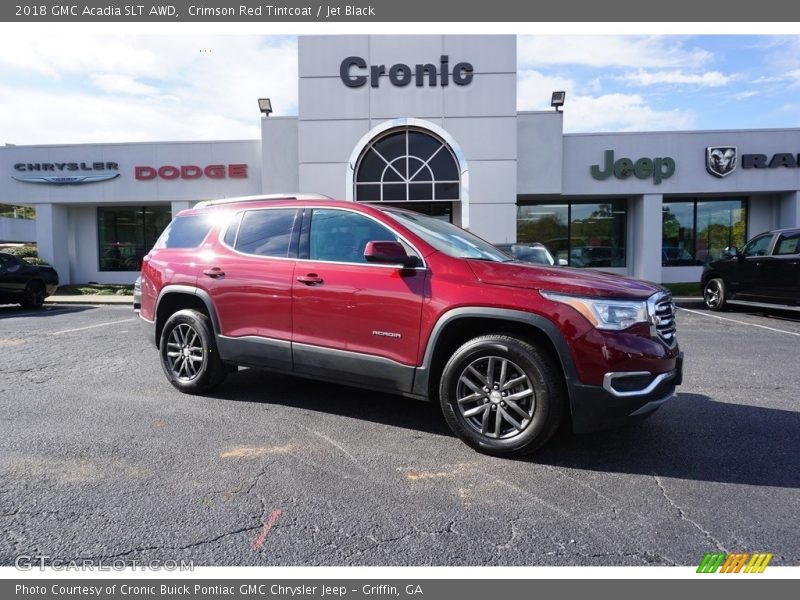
585 234
409 165
126 234
695 232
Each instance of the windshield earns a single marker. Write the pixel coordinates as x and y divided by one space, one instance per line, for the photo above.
447 238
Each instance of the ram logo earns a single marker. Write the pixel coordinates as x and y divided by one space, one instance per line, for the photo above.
721 160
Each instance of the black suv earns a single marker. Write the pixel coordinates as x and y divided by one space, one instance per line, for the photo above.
766 272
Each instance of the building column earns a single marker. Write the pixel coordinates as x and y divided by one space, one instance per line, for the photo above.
645 253
789 213
52 236
178 206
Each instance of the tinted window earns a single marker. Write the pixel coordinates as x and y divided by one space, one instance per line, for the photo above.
758 246
233 229
788 243
341 236
185 232
6 262
266 232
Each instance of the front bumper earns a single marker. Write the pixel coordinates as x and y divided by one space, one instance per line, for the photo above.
612 404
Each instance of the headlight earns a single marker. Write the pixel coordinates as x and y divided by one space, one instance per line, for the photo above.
614 315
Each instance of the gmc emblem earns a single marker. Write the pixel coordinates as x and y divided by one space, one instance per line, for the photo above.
234 171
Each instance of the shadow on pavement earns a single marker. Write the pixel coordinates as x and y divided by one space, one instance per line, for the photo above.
8 311
253 385
692 437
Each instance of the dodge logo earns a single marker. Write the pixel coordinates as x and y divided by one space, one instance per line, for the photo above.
720 160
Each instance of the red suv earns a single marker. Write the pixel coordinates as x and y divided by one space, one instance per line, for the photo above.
398 302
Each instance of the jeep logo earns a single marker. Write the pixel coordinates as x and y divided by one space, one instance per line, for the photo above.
354 73
643 168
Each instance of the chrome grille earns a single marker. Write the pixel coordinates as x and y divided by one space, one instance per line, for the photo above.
664 319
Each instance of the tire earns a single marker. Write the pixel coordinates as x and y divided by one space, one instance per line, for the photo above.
189 354
715 295
495 361
33 296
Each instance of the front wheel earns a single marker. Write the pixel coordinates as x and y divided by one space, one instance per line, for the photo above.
714 294
502 396
189 354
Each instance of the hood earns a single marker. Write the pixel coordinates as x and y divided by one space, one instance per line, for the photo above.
565 280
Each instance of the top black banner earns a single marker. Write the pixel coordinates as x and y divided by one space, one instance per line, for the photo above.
444 11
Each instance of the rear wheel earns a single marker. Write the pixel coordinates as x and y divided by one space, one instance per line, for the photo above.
34 294
502 395
189 354
714 294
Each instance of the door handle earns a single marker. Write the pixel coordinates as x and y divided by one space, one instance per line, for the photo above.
310 279
214 272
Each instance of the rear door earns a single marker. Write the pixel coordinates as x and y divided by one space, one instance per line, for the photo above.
748 273
784 268
249 278
353 321
12 275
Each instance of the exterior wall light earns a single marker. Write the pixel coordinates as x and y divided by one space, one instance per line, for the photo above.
265 106
557 100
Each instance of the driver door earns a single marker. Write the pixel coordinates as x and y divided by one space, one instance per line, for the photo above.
354 321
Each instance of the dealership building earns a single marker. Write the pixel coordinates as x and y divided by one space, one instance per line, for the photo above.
431 123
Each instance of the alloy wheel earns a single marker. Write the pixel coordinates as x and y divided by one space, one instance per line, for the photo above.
496 397
185 353
712 294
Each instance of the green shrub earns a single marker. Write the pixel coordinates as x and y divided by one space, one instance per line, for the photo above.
23 251
35 260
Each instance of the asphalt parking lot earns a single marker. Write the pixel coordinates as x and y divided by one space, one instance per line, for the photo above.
100 457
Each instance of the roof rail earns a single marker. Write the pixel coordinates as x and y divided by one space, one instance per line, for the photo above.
262 197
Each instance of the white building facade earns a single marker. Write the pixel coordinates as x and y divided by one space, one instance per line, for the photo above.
430 123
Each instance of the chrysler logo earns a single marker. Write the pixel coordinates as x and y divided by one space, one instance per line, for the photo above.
65 179
721 160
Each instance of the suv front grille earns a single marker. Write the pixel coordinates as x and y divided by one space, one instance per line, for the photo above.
664 319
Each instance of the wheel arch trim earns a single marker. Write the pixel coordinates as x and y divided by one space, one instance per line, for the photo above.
190 291
546 326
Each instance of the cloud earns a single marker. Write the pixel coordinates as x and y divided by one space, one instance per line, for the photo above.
122 84
746 95
585 112
622 112
646 52
142 88
677 77
535 88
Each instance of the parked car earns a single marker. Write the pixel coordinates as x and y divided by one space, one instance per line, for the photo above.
535 253
399 302
765 273
24 283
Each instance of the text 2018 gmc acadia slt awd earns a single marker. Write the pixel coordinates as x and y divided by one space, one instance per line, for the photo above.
398 302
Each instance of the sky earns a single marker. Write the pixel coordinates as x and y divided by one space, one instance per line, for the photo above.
67 88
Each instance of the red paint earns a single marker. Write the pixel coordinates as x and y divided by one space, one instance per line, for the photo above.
258 543
169 172
263 297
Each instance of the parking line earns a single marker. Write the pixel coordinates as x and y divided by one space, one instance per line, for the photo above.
92 326
702 314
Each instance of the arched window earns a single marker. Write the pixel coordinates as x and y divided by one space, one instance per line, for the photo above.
407 164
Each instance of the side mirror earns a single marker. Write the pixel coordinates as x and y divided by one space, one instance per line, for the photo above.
562 262
389 253
731 252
